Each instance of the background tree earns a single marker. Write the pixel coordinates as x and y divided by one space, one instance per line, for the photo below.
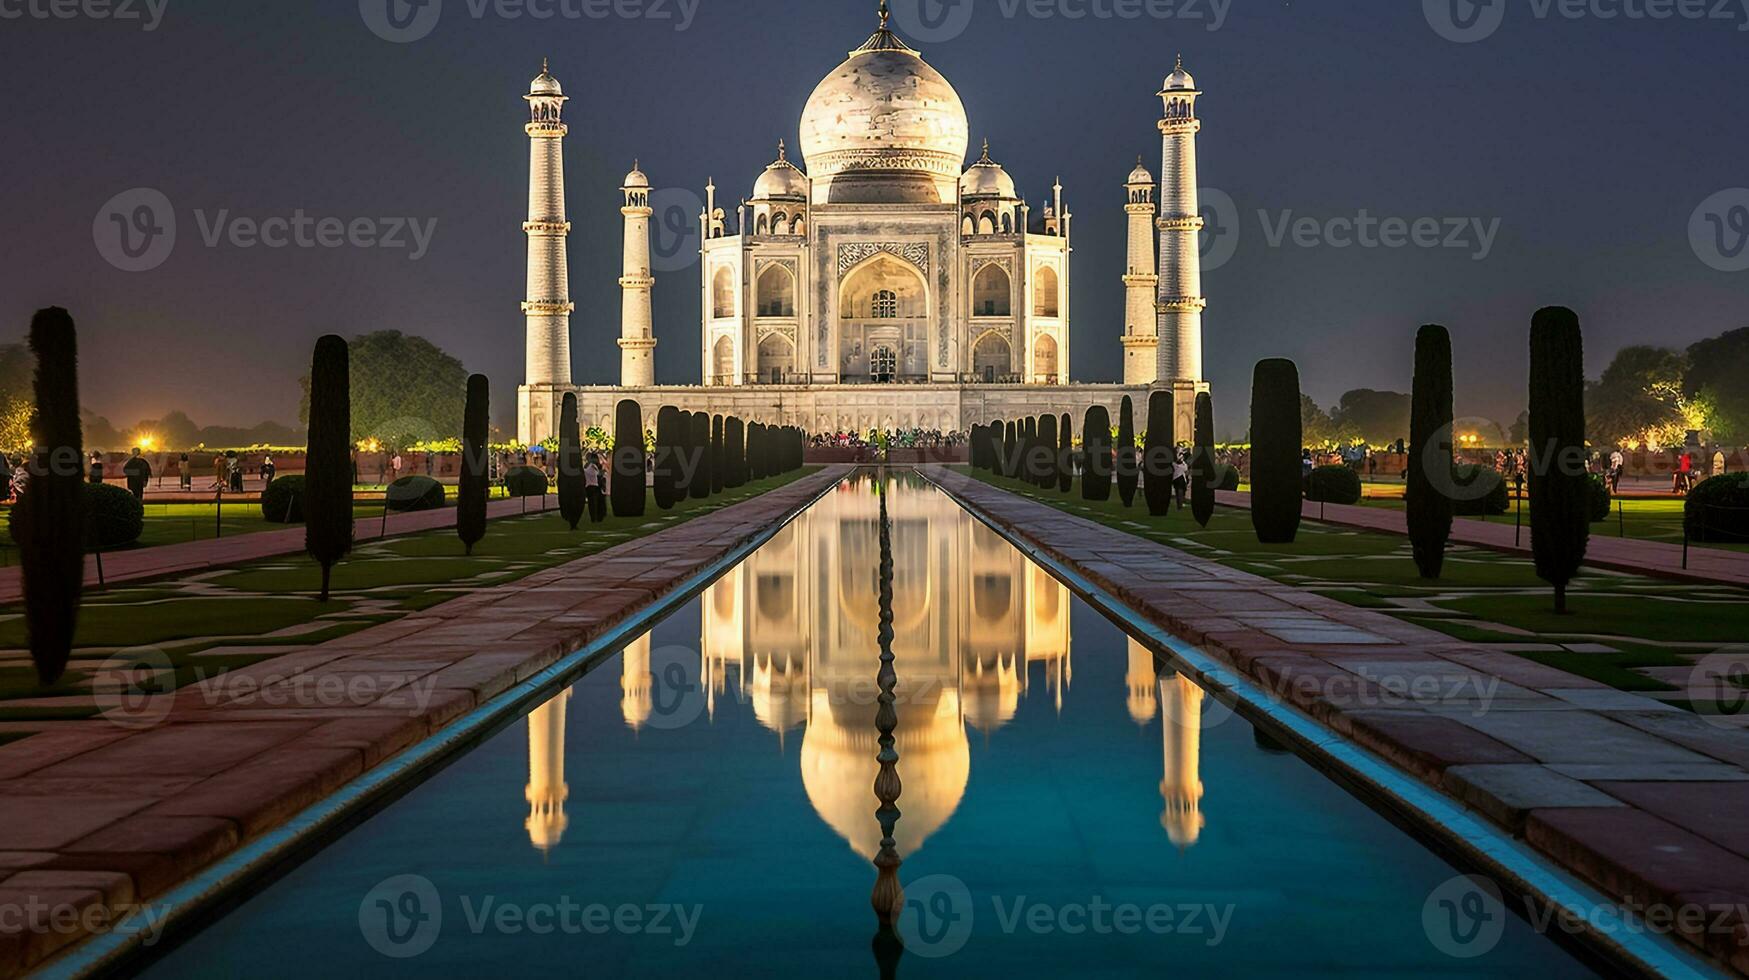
1378 418
703 477
571 502
1065 454
404 389
1519 434
328 464
1560 520
1315 425
667 419
717 454
1428 507
1157 458
1202 461
1640 399
1096 455
471 492
627 482
1276 445
51 526
1716 369
1128 457
734 453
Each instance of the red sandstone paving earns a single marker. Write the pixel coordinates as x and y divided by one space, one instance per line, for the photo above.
90 802
1488 751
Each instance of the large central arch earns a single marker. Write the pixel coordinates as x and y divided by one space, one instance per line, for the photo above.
883 302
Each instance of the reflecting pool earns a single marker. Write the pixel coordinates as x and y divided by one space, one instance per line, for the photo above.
1066 805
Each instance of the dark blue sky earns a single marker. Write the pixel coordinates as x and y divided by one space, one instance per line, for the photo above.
1592 141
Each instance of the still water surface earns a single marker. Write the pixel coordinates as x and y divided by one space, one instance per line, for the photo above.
702 803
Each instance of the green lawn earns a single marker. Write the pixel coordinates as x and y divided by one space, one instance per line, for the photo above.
1619 622
381 581
1654 519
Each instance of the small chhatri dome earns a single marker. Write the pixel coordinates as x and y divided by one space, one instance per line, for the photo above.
1180 80
636 178
986 178
1140 175
545 83
781 179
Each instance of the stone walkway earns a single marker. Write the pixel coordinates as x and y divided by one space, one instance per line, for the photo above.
195 556
1644 800
1639 557
102 814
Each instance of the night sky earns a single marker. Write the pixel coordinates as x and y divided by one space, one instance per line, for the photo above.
1592 141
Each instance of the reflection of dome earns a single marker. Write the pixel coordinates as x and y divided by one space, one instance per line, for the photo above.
781 179
986 178
839 768
889 121
991 692
780 693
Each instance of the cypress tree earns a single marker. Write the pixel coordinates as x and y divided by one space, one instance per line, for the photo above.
1560 525
975 448
1277 440
685 462
1202 461
1128 458
756 450
704 476
1162 440
1047 443
328 462
1096 455
51 524
570 463
1010 450
627 483
1029 468
734 453
472 490
717 460
1065 454
667 456
1427 508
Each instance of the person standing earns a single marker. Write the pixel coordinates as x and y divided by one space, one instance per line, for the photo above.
139 473
594 495
1617 462
267 470
1180 477
184 473
6 477
234 463
95 474
221 475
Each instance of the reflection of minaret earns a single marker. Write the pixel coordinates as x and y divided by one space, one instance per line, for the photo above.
1140 681
634 682
1181 733
547 791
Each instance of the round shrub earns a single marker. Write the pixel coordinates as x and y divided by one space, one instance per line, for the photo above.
1333 485
1718 509
283 501
1479 491
113 518
411 493
1599 500
1226 476
525 481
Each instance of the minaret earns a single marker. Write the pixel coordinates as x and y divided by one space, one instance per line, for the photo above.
637 339
547 791
548 306
1180 298
1181 735
1141 343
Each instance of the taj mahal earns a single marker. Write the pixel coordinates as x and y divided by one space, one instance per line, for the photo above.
879 282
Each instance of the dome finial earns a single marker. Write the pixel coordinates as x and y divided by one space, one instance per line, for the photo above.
1180 61
886 14
986 157
782 152
543 66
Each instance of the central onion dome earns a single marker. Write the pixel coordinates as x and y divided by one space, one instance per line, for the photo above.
885 127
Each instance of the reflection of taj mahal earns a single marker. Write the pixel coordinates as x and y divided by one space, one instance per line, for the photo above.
886 286
791 634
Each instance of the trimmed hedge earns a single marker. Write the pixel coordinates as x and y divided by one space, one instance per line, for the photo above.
113 517
282 502
1718 509
1600 500
412 493
525 481
1479 491
1226 476
1333 485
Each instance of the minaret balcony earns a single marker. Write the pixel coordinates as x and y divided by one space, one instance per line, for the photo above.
1180 127
546 130
1181 304
637 282
1191 223
548 309
1141 279
547 227
1143 207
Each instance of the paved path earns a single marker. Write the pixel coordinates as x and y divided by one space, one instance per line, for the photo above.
103 813
195 556
1643 799
1654 558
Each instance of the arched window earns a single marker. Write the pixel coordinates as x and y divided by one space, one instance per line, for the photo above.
1007 224
1044 360
991 359
763 225
777 359
883 364
1044 292
776 292
723 361
886 305
797 227
987 224
723 293
780 222
992 292
967 228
